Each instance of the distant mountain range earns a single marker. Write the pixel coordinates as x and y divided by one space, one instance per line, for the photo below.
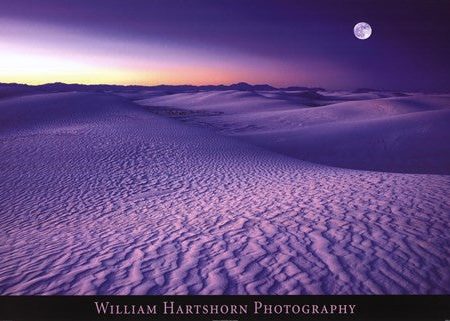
13 89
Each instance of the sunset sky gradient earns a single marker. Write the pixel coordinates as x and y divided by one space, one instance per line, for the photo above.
281 43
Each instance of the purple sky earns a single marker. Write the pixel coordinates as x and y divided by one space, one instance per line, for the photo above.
278 42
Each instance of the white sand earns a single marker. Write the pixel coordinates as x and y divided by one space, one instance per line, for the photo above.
99 196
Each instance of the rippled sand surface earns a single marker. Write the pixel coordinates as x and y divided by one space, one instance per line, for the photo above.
99 196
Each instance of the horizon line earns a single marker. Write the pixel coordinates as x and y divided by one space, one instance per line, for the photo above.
226 85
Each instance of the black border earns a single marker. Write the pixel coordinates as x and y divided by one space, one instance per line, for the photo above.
368 308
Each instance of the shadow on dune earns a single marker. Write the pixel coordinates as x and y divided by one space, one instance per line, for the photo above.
394 133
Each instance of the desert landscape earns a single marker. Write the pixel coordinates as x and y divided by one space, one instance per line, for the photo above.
235 189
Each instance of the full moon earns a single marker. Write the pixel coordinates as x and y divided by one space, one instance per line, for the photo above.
362 30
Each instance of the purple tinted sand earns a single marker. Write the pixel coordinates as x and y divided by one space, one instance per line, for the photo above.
106 198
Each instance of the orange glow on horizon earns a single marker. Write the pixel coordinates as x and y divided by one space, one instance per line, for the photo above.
36 54
34 68
39 69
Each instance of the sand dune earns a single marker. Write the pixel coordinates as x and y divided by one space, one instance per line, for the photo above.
99 196
411 143
405 134
229 101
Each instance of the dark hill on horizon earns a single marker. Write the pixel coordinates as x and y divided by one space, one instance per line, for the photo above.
14 89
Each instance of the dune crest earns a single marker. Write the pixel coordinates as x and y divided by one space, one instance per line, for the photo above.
378 131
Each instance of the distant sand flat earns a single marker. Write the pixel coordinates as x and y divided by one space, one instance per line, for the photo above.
100 196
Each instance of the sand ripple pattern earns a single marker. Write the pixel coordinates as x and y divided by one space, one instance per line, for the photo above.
125 202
